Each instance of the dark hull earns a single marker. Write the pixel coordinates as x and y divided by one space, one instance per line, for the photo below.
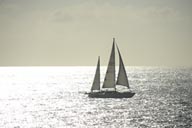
111 94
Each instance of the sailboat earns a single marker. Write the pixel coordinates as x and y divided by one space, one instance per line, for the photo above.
109 85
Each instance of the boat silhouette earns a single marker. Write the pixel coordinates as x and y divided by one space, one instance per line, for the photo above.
109 85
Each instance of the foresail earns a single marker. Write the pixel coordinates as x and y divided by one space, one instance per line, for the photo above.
109 81
122 76
96 82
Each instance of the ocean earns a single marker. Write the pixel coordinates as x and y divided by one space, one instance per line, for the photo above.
53 97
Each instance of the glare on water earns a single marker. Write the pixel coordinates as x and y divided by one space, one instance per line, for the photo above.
54 97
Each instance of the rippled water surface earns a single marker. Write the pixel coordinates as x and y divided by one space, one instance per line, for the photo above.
53 97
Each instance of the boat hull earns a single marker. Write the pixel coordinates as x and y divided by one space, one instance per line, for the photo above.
111 94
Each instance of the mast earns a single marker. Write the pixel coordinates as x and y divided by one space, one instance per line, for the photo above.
96 82
122 78
109 81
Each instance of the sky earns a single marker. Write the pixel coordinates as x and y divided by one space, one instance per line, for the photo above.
76 32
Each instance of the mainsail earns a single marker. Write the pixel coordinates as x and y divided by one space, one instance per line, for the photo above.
109 81
122 76
96 82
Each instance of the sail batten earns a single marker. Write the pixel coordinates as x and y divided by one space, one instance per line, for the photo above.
122 78
96 81
109 81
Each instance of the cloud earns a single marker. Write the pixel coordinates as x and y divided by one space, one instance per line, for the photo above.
62 16
163 12
4 7
96 12
86 12
78 12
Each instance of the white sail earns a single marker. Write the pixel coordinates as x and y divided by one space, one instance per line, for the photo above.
96 82
109 81
122 76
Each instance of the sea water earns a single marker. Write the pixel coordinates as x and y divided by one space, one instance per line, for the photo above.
53 97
